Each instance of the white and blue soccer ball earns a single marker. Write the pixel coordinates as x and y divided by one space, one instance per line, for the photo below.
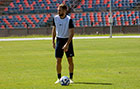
64 81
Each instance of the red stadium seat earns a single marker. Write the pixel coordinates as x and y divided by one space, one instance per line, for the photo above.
131 1
40 15
126 23
106 18
20 7
83 14
129 15
118 19
39 0
116 2
107 24
24 24
32 8
114 15
119 5
119 23
92 19
108 5
26 3
6 9
17 1
105 1
81 19
82 2
48 1
6 21
132 12
90 6
18 17
90 1
10 17
2 27
42 5
16 23
121 15
117 13
97 2
96 23
45 20
77 25
54 0
33 3
137 17
57 4
47 7
72 15
79 7
12 4
10 26
33 25
33 16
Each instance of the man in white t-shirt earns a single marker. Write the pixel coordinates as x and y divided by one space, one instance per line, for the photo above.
63 30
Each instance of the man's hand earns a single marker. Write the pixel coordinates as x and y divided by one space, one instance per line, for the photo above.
65 48
53 45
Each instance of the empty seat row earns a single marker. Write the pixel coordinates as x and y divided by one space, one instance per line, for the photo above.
89 19
24 21
120 18
36 6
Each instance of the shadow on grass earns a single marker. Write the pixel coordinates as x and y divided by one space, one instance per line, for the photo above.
93 83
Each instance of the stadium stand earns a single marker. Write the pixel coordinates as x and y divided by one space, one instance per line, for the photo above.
92 19
50 6
24 21
4 4
87 18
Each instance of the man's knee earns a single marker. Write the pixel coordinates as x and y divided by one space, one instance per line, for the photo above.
58 60
70 60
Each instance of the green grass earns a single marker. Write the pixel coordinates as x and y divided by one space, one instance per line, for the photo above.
99 64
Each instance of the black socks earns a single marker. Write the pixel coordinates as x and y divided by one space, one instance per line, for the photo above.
59 75
71 75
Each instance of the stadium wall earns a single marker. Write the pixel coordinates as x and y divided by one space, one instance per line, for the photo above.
78 30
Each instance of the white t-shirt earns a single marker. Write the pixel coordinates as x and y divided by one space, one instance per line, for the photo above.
62 26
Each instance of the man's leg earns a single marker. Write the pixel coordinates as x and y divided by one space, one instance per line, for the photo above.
71 66
58 67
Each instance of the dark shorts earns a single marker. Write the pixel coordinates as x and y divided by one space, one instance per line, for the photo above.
60 42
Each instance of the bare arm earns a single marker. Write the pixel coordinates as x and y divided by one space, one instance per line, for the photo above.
65 47
53 36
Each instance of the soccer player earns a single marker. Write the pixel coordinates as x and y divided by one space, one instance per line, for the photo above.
63 30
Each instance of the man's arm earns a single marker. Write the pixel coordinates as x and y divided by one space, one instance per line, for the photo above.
53 36
66 46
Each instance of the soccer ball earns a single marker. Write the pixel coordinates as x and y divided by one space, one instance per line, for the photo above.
64 81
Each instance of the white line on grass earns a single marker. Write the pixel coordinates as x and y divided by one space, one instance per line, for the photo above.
97 37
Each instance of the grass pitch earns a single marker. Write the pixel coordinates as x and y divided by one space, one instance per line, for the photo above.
99 64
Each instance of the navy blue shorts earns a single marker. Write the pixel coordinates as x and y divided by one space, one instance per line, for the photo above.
59 52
